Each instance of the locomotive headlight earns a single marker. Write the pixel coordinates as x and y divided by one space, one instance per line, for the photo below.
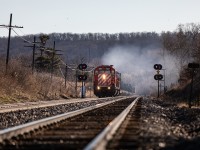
98 88
104 76
108 88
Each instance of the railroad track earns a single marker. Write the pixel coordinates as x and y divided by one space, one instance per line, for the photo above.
40 104
128 135
89 128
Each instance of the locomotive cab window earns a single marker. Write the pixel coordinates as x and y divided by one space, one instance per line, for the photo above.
100 72
107 72
104 70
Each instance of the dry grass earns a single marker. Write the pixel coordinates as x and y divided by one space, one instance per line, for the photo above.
19 84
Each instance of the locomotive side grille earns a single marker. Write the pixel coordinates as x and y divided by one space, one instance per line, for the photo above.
104 79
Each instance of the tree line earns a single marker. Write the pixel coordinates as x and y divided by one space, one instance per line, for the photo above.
92 45
184 44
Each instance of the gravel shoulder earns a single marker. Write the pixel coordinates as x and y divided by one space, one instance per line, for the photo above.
171 126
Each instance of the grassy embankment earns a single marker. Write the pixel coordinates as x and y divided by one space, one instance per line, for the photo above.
19 84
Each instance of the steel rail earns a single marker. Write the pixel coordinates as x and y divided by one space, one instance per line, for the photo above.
21 129
26 106
101 140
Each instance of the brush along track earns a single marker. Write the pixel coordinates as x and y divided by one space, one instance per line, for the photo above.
73 133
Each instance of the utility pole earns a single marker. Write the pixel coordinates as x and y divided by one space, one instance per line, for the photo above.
89 56
191 89
52 60
53 51
158 89
33 57
9 34
76 83
164 81
193 67
66 76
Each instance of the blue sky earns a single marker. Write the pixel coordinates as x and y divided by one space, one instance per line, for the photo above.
104 16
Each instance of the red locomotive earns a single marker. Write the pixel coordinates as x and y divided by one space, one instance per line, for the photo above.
106 81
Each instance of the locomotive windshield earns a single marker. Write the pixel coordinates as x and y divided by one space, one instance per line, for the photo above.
103 70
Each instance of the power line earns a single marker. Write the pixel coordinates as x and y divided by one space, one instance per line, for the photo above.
21 31
22 37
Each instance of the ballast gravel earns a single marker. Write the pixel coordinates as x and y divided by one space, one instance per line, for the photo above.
166 126
10 119
164 123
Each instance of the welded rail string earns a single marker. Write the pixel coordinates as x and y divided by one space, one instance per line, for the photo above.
101 140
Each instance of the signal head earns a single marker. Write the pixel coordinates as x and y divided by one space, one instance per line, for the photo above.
193 65
157 66
82 66
82 77
158 77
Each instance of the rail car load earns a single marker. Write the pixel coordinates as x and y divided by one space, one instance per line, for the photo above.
106 81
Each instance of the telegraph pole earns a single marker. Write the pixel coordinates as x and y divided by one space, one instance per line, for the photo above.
164 81
76 83
53 51
66 76
9 34
158 89
52 59
193 67
33 57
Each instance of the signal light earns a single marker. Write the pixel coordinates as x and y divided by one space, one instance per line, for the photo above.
193 65
82 66
157 66
82 77
158 77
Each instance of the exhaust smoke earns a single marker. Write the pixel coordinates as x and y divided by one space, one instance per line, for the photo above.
136 66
